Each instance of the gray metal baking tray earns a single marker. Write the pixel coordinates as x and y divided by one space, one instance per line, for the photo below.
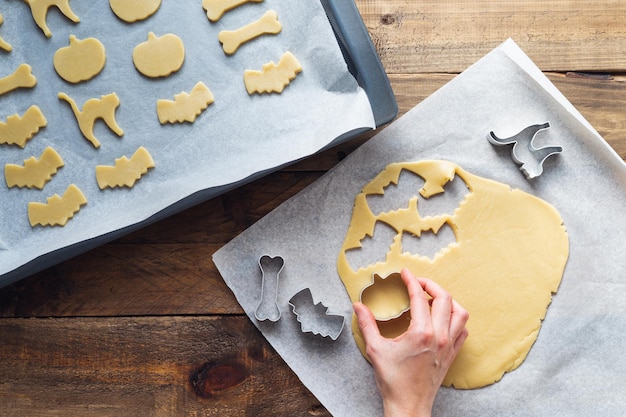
363 62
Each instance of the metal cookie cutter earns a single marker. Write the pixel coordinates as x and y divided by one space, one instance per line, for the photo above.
524 152
315 318
268 307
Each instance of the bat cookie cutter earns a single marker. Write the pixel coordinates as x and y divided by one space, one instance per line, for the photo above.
271 268
315 317
524 153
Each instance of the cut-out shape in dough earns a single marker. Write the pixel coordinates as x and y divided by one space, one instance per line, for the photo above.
273 77
215 9
39 10
134 10
186 106
57 211
94 109
268 24
126 171
22 78
524 152
159 56
82 60
35 173
20 129
314 317
510 252
4 44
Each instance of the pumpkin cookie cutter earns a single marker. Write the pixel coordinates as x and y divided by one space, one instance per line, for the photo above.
271 268
315 317
524 153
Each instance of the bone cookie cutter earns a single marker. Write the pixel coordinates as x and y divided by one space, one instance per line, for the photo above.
268 306
315 318
524 153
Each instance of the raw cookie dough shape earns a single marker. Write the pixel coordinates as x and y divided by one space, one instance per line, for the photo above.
185 107
4 44
215 9
82 60
20 129
94 109
58 210
159 56
524 152
39 10
231 40
22 78
126 171
273 77
508 260
36 172
134 10
315 317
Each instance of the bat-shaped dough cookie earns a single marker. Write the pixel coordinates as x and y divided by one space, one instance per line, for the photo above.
58 210
273 77
186 106
36 172
126 171
18 130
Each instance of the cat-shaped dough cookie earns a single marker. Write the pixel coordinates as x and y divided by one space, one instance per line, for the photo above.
93 109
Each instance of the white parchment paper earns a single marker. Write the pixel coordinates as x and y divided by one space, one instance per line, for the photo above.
236 137
577 366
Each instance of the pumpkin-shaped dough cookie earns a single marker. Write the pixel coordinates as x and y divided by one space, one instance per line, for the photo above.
81 60
134 10
159 56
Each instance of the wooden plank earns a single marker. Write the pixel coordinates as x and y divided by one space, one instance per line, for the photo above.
434 36
125 280
145 366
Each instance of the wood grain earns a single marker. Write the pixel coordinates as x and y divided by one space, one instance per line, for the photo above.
447 36
145 366
145 326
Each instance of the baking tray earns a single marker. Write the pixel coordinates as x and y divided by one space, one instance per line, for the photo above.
363 63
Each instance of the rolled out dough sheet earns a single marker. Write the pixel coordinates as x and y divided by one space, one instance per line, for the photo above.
576 367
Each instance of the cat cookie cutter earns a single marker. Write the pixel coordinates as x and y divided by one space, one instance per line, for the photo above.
524 153
271 268
315 317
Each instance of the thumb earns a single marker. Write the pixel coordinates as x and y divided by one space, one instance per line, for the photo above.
367 322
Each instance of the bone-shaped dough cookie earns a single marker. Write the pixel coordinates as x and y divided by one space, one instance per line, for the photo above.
39 10
18 130
57 210
232 39
4 44
36 172
126 171
215 9
22 78
273 77
186 106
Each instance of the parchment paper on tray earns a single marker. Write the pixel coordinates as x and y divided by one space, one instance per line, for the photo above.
576 366
235 137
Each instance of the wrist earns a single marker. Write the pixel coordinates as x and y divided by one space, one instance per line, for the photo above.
393 410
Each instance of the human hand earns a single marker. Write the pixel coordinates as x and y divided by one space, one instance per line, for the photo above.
410 368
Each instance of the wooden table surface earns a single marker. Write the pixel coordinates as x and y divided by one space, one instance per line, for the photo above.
145 326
